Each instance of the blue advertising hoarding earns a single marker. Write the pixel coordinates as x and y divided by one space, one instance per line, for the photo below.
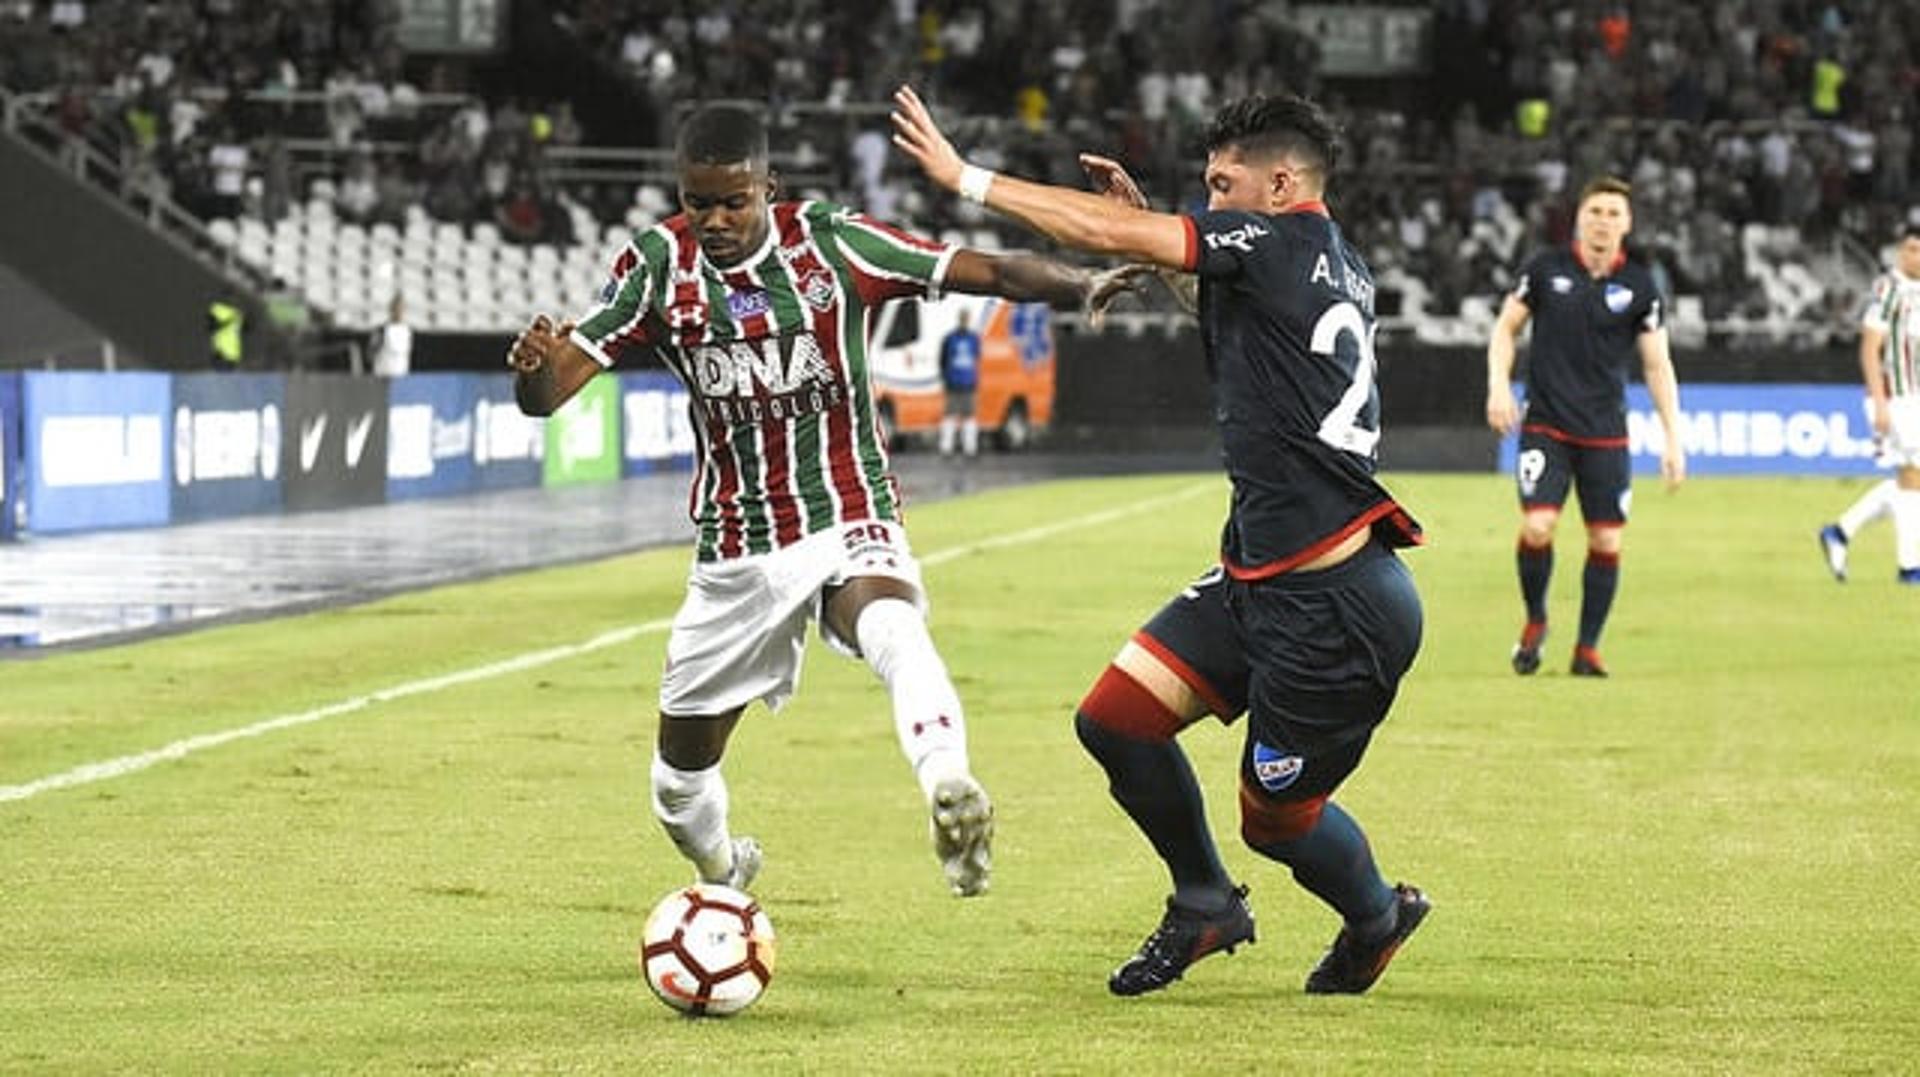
431 423
508 447
227 444
9 452
96 450
1760 429
656 432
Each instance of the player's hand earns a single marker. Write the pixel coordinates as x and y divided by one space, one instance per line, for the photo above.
534 348
1502 413
1882 416
919 138
1673 467
1110 179
1110 284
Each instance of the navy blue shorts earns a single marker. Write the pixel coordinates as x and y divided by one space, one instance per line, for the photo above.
1314 658
1602 474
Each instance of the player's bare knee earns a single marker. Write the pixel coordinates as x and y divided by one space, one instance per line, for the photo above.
848 603
1266 822
1536 529
1119 703
1605 540
695 742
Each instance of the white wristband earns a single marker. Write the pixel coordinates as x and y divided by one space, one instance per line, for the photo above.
974 182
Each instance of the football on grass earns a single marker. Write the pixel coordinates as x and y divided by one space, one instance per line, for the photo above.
708 950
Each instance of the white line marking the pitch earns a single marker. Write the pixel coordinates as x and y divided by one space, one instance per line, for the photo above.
121 766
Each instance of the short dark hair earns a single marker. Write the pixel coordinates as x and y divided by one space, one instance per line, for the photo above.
1267 124
1910 230
723 134
1606 185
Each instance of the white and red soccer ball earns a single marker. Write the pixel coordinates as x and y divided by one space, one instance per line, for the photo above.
708 950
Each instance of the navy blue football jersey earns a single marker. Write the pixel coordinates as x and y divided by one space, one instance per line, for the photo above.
1286 317
1585 332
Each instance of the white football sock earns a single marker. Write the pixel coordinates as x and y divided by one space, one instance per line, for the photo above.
692 805
1877 500
1906 528
926 710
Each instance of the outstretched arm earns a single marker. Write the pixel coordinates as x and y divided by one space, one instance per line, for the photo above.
547 367
1111 180
1018 275
1078 219
1024 277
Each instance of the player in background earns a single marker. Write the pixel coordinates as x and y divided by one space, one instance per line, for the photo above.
1890 365
761 307
960 377
1310 620
1593 310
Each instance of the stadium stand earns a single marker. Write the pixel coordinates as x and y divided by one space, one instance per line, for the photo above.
316 151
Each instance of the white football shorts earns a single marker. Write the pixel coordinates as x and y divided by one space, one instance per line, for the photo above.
1901 448
742 632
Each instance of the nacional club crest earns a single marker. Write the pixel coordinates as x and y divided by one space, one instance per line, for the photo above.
1275 769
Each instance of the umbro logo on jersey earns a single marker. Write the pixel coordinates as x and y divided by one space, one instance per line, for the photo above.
1563 285
1240 239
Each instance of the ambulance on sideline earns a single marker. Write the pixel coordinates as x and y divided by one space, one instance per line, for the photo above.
1014 401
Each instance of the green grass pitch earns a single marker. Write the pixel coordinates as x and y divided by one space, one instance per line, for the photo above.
1699 865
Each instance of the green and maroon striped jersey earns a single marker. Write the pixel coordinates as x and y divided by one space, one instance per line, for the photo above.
1893 308
773 352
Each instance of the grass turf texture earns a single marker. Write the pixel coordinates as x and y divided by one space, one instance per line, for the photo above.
1695 865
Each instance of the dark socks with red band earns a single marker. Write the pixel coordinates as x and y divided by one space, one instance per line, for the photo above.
1599 582
1536 571
1129 732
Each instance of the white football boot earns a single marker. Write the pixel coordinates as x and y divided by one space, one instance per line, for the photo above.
746 865
962 824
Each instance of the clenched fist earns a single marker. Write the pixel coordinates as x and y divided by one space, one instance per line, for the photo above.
535 348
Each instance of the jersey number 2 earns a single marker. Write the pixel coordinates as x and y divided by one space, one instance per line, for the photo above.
1342 428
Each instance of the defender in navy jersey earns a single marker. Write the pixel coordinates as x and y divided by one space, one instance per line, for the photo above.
1310 620
761 307
1593 309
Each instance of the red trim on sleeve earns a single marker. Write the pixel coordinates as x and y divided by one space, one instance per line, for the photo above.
1201 686
1191 263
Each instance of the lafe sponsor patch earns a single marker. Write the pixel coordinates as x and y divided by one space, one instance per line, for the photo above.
747 303
1275 769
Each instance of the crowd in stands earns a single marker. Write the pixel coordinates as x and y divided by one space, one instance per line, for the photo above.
1770 141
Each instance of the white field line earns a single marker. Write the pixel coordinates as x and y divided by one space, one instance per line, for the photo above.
121 766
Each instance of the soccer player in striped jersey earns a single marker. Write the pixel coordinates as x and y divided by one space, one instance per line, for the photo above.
1310 620
1890 364
761 307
